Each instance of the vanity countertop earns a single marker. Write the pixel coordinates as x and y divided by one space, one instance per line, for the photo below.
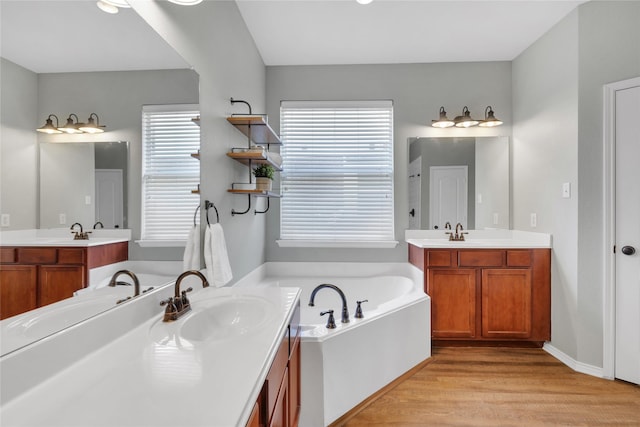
158 374
479 239
62 237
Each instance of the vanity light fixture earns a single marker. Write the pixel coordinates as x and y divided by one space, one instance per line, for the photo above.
489 119
443 121
92 126
465 120
107 7
49 127
71 127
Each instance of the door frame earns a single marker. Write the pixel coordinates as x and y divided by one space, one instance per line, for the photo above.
609 200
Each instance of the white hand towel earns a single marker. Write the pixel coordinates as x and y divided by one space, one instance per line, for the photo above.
191 258
216 258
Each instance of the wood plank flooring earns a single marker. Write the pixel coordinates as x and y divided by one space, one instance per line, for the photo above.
501 387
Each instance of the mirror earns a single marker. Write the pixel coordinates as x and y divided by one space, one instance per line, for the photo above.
463 180
84 182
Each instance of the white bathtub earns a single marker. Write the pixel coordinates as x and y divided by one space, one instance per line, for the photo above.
343 366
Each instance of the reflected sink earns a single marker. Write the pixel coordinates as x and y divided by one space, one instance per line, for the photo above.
226 317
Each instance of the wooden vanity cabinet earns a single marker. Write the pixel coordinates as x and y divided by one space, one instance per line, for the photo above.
484 296
32 277
279 402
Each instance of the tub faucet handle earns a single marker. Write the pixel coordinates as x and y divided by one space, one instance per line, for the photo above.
359 314
331 323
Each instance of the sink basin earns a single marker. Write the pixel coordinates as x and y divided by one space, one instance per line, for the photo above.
226 317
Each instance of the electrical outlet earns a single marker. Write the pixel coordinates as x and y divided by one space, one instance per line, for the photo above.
479 198
534 220
62 219
495 219
5 220
87 200
566 190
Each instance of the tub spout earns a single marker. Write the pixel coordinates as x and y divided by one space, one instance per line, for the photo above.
345 310
136 283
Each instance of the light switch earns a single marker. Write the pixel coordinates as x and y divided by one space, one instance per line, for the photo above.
479 198
5 221
566 190
62 218
495 219
87 200
534 220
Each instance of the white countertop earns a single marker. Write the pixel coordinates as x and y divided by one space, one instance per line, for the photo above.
62 237
152 376
479 239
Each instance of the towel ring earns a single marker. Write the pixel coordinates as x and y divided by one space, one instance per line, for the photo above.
195 215
207 205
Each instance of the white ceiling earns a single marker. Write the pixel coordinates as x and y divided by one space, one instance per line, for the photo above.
67 36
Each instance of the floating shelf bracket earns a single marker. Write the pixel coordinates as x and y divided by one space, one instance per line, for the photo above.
255 211
234 212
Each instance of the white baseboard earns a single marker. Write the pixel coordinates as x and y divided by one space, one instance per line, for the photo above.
581 367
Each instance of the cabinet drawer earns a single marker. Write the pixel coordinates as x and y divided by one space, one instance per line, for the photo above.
7 255
518 258
439 258
484 258
37 255
70 256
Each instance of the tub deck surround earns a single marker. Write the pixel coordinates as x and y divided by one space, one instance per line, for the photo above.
337 364
478 239
155 376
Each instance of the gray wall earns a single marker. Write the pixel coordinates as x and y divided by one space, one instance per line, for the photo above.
213 38
418 91
18 145
557 137
117 97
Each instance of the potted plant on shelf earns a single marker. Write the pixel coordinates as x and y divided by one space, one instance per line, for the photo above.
264 177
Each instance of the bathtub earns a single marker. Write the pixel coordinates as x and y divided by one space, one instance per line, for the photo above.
341 367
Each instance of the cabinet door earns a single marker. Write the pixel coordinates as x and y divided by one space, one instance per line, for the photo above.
453 302
506 303
58 282
294 385
17 289
281 411
254 418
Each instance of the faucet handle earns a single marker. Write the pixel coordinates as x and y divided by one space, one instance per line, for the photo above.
451 238
331 322
171 312
359 314
185 300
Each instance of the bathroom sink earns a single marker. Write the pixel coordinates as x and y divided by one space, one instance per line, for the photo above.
226 317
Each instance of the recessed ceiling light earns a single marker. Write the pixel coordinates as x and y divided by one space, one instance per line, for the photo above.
106 7
364 1
117 3
186 2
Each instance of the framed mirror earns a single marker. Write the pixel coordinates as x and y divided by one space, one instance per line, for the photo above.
459 180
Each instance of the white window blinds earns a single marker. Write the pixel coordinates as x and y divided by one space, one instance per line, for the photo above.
337 183
169 173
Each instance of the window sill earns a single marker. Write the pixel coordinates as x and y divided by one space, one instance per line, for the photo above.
162 243
336 244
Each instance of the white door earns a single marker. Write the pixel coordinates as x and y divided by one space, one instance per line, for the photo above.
109 197
447 196
627 235
415 198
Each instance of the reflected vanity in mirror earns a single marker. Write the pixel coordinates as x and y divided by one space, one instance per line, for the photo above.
84 182
459 180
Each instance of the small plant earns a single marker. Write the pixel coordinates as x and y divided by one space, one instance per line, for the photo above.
264 171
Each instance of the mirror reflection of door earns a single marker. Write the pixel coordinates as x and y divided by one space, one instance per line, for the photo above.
448 196
109 196
415 193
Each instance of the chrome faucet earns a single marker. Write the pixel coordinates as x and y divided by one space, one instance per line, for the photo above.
345 310
179 304
136 283
81 235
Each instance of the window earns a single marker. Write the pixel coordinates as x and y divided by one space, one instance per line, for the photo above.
169 173
337 182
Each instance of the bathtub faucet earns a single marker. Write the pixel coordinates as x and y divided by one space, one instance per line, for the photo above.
345 310
136 283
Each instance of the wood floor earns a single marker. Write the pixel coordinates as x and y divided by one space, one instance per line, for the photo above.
501 387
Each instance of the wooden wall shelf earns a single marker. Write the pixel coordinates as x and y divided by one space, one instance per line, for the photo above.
256 193
261 132
250 158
